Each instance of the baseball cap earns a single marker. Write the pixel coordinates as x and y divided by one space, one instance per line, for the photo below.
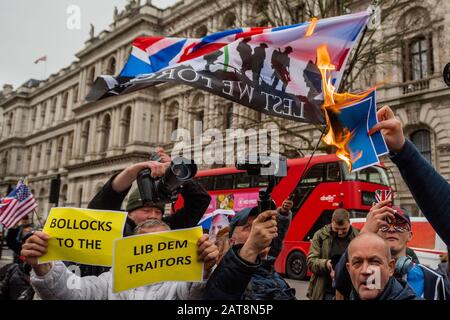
241 218
401 213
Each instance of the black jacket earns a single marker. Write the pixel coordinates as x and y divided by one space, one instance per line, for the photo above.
236 279
196 202
231 277
15 282
394 290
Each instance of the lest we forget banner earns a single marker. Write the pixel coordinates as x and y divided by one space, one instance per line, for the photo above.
271 70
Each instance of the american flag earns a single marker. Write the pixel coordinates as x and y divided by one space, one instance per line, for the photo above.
19 203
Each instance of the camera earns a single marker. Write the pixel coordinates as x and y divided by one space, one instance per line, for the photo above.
270 166
166 188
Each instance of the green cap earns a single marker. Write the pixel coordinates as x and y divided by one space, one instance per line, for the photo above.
135 202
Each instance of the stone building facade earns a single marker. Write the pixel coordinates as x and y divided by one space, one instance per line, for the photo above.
47 128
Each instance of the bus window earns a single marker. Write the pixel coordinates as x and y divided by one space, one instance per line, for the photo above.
314 174
373 174
324 219
242 180
333 172
357 214
306 185
207 182
367 198
224 182
260 181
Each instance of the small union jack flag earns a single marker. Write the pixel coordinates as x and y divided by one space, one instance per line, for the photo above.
19 203
382 195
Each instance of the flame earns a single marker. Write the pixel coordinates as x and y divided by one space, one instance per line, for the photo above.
337 136
311 27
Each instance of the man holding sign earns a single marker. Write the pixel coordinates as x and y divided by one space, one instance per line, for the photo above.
51 281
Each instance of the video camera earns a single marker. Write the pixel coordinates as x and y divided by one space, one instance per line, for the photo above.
270 166
166 188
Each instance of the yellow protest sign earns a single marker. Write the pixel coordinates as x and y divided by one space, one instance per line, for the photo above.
154 257
83 235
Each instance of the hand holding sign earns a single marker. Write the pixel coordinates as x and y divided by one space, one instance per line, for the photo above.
208 253
161 256
82 235
34 248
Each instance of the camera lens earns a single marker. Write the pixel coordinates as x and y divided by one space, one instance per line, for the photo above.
181 171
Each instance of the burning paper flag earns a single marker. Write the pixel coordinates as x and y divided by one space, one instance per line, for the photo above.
350 117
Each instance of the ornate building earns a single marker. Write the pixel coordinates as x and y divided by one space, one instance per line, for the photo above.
47 128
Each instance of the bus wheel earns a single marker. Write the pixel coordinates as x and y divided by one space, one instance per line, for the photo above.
296 266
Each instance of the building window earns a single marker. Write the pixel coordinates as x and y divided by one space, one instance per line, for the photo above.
105 132
419 59
201 31
111 66
75 94
85 138
53 109
422 140
125 123
229 21
65 101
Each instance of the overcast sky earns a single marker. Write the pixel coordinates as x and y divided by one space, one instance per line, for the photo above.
30 29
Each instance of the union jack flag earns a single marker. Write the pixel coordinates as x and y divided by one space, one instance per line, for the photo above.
19 203
269 69
382 195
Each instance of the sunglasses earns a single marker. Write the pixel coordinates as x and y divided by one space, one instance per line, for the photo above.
399 225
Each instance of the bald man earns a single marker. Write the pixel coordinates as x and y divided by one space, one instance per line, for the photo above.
371 270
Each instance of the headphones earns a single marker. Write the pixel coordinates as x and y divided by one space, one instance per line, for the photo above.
403 265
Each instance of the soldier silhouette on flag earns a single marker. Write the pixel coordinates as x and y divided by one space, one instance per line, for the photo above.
245 52
280 65
211 59
258 58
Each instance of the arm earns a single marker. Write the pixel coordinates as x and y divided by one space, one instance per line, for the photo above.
107 198
231 277
111 196
56 285
12 240
196 201
314 261
283 223
428 187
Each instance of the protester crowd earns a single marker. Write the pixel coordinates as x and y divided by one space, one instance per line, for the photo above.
239 256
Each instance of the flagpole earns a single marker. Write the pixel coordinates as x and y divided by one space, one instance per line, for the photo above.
45 69
39 220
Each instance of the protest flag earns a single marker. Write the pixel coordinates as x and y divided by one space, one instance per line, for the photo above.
19 203
271 70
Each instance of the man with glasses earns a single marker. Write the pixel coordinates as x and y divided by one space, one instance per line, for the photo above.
394 225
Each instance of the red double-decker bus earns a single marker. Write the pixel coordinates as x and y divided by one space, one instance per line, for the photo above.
326 185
